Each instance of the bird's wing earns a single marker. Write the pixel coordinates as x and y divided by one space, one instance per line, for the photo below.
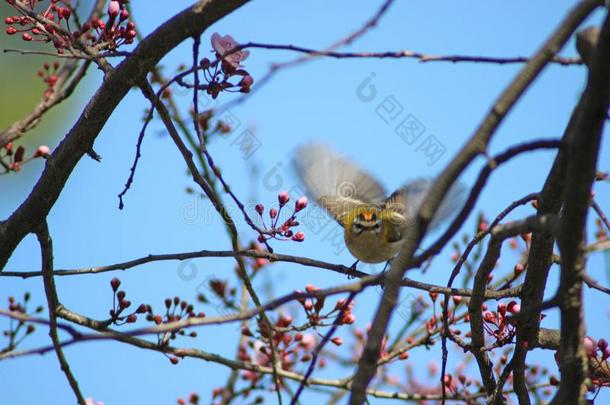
334 182
407 200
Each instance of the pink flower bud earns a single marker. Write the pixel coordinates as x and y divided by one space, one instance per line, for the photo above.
300 204
349 319
42 150
519 268
115 283
311 288
130 34
299 237
308 341
283 198
308 305
259 209
590 346
337 340
284 321
247 81
513 307
272 213
205 63
113 9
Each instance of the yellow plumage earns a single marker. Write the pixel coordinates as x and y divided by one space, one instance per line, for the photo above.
373 223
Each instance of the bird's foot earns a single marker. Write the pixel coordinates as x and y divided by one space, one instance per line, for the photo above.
384 273
351 273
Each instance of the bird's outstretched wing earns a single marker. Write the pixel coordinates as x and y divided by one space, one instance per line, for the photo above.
407 200
334 182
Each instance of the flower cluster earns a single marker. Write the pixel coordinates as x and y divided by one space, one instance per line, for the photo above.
291 347
18 330
117 30
496 323
313 308
176 309
277 230
49 76
120 304
53 25
599 362
16 156
227 66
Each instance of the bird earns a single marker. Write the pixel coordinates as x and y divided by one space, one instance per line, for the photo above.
374 222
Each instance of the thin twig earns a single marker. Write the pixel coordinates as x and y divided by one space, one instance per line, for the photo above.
46 248
325 340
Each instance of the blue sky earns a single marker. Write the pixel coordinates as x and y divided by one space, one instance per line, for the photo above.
316 101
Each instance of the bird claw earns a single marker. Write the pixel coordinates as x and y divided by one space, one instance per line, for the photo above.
351 273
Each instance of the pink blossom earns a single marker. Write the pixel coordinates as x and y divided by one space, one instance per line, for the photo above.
299 237
308 341
222 45
113 9
349 318
42 150
590 346
283 198
300 204
337 340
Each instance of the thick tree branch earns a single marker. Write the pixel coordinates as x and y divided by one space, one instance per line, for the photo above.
582 154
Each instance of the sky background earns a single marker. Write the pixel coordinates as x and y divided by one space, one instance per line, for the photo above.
318 101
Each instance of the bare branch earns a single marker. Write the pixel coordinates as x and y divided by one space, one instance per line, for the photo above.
476 145
582 153
46 248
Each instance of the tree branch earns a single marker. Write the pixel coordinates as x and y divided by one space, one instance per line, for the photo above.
81 136
46 248
474 147
582 154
